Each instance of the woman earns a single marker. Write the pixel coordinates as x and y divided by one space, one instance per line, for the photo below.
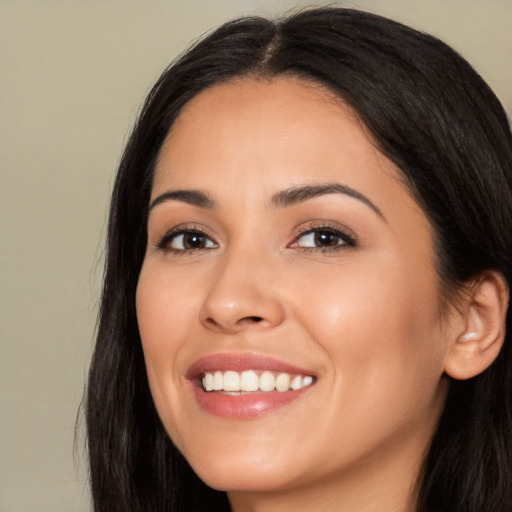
307 280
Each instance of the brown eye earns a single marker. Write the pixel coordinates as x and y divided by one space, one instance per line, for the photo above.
193 241
321 238
188 241
326 239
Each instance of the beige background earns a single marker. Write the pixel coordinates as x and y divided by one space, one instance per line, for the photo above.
73 74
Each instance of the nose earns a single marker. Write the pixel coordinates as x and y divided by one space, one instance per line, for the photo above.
242 296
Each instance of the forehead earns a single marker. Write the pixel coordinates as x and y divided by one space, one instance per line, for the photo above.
270 134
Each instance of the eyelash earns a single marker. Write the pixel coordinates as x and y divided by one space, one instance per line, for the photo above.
346 239
170 236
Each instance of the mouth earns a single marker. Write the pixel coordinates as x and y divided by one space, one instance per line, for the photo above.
250 381
246 386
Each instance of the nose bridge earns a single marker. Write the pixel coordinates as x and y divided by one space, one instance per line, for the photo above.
241 295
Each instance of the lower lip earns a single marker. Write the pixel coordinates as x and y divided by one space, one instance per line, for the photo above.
246 406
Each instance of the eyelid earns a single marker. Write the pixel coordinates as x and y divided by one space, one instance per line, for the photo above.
164 241
312 226
345 234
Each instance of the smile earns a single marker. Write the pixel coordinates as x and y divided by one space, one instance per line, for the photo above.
246 386
253 381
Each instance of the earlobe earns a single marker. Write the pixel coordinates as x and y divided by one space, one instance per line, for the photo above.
485 310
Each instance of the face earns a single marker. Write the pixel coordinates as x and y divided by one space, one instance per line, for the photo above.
283 250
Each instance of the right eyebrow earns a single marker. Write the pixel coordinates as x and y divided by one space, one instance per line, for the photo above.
299 194
193 197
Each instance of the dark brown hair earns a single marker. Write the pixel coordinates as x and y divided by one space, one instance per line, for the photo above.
438 121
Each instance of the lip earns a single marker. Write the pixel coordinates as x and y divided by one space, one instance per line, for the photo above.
240 363
244 405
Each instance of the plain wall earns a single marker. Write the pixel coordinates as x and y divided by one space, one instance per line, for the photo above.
72 76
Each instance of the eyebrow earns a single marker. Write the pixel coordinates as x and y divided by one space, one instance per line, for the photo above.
299 194
193 197
282 199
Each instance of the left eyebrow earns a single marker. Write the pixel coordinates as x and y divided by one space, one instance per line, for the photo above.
299 194
193 197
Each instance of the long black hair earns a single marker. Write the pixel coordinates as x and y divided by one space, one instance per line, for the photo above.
430 113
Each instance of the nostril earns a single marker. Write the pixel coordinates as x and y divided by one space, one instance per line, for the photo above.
211 322
255 319
244 320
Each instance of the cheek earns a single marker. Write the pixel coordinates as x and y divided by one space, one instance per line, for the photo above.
153 314
386 350
163 315
164 321
377 326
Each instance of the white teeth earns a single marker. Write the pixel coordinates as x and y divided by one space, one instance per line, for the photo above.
250 381
231 381
283 382
208 382
307 381
218 381
296 382
267 381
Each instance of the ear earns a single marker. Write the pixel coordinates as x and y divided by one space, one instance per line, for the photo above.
484 312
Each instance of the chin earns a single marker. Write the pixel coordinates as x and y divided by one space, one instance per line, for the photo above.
249 481
244 474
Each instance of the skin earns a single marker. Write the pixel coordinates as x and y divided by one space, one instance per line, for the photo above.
365 318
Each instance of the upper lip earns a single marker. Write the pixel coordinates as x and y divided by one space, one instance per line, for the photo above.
240 363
